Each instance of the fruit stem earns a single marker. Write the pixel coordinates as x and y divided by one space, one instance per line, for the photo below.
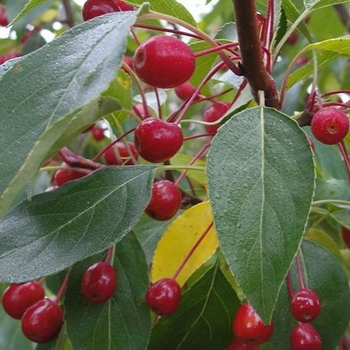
190 253
168 30
300 273
193 160
63 287
109 256
191 99
99 154
345 155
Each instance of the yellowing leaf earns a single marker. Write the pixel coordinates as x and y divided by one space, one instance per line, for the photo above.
178 240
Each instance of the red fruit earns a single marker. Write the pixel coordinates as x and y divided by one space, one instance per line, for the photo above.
164 61
237 344
305 337
165 200
99 282
119 154
329 125
248 326
123 6
97 133
3 17
214 113
157 140
65 175
17 298
305 305
346 236
42 321
94 8
164 296
185 91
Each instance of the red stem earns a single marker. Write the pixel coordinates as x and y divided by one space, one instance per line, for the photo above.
345 155
190 253
63 287
193 160
300 273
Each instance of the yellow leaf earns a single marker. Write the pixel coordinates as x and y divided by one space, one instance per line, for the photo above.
178 240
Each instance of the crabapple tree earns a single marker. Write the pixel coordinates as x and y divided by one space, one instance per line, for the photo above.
174 180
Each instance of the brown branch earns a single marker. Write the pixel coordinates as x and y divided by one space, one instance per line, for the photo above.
252 56
343 14
70 18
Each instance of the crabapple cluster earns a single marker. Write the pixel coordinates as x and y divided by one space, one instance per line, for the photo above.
41 318
305 306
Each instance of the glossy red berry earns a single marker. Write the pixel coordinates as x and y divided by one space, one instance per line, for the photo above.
305 305
164 61
329 125
97 133
42 321
165 200
17 298
185 91
65 175
164 296
214 113
157 140
346 236
119 154
94 8
237 344
99 282
305 337
248 326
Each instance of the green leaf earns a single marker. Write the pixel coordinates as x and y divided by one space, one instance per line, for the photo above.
123 322
261 179
169 7
22 12
322 273
56 229
203 319
48 84
317 4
